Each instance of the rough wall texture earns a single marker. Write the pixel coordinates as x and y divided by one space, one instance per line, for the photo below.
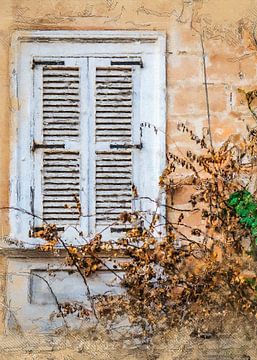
231 55
227 40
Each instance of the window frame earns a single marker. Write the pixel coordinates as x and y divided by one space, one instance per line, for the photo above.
92 40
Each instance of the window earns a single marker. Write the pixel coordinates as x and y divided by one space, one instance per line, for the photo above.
77 133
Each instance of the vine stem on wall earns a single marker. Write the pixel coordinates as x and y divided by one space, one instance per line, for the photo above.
206 90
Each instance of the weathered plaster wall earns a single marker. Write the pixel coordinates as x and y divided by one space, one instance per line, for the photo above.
228 46
231 55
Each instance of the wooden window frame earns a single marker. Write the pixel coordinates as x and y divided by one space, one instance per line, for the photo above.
30 46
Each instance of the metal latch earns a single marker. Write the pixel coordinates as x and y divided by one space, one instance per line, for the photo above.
46 146
126 146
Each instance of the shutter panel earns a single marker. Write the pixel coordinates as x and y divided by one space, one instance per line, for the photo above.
113 130
62 148
61 167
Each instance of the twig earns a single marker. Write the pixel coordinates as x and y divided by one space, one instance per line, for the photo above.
206 91
54 296
83 277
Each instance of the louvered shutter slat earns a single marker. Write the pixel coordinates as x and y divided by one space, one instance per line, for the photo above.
113 125
61 168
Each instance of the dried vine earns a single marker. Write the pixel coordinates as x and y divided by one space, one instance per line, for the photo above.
188 275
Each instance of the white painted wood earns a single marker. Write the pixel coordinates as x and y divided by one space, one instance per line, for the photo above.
52 178
102 37
112 167
85 50
37 156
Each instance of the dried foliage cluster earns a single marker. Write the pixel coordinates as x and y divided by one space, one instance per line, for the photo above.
185 275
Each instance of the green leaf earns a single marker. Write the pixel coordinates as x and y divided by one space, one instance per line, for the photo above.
237 196
254 232
242 211
251 207
247 221
254 224
232 202
250 281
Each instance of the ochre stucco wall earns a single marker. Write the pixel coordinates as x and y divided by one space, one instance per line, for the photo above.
226 26
227 32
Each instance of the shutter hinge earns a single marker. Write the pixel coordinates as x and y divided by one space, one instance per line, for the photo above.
128 62
47 62
126 146
46 146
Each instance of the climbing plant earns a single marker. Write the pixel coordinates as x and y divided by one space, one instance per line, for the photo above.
185 275
245 207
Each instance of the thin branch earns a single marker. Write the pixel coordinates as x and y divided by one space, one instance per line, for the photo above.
54 296
206 90
165 205
74 262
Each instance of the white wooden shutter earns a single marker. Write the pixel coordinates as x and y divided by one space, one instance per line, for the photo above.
58 145
39 177
61 177
113 126
115 145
